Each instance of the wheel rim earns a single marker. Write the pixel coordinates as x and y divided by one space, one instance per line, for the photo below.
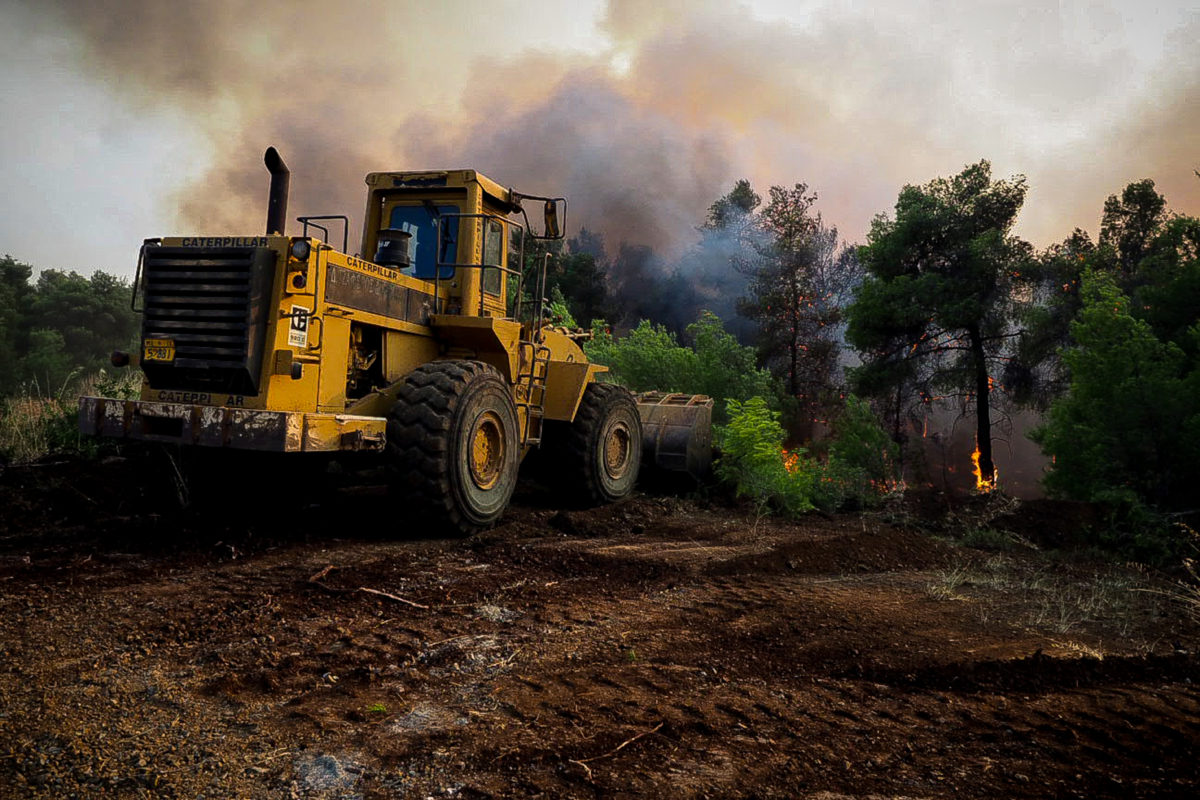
617 451
487 450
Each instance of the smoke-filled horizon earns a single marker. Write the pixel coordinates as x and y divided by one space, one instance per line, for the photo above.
641 113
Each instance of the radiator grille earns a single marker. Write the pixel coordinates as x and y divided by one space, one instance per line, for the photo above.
210 301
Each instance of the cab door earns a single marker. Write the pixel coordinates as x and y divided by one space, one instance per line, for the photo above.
493 278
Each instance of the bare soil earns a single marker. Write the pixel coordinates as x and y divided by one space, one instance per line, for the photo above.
278 645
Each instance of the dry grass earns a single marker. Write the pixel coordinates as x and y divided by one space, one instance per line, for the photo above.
1055 598
26 425
1186 590
1189 589
34 425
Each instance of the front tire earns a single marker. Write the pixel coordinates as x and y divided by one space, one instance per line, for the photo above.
601 451
453 444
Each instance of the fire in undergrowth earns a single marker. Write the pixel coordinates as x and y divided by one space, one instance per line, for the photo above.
983 484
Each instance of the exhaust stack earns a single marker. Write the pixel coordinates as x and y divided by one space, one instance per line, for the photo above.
277 201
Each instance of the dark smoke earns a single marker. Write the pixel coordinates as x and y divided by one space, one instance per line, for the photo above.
853 102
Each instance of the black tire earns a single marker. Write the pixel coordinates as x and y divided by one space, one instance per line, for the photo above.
453 446
597 456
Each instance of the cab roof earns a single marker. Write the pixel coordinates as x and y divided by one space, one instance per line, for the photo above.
435 179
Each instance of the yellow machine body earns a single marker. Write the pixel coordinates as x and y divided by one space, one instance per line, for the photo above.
335 332
413 347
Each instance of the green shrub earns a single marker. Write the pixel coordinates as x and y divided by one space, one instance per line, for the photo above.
756 464
862 465
650 358
559 311
989 539
1135 530
26 426
860 468
647 358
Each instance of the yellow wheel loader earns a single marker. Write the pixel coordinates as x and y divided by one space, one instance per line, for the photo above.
435 352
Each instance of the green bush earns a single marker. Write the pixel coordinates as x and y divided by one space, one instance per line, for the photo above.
859 471
755 463
559 311
1135 530
862 464
649 358
646 359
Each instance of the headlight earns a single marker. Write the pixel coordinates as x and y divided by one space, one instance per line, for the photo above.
301 249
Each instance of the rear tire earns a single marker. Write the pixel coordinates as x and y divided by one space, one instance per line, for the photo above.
598 455
453 446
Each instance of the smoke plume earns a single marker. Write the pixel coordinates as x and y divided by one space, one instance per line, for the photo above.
672 102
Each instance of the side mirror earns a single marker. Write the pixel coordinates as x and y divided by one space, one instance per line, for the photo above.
553 219
552 230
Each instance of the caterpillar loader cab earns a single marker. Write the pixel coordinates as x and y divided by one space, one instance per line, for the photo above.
429 347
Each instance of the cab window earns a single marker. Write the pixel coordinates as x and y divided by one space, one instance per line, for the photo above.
424 247
493 253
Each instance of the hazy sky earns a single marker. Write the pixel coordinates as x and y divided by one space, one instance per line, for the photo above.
124 120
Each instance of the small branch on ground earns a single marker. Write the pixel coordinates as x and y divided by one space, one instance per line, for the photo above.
395 597
583 762
318 576
315 580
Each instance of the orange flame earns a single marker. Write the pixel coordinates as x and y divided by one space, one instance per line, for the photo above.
982 484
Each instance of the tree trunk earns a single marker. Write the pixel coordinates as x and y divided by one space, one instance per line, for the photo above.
794 348
794 341
983 409
897 434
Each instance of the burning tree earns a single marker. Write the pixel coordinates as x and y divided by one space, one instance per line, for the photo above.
933 315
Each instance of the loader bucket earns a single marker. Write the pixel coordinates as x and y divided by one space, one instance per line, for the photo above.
676 432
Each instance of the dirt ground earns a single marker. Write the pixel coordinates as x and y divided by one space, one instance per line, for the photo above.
659 647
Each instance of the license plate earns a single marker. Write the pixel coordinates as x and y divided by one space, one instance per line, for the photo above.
158 350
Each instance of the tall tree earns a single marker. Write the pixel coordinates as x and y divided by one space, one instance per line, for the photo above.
1036 375
798 285
708 274
934 310
1129 428
1131 221
92 314
14 333
732 210
1166 283
1150 255
642 285
637 281
579 274
60 325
